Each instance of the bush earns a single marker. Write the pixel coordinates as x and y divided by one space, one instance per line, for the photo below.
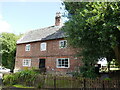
88 72
40 85
26 77
76 74
9 79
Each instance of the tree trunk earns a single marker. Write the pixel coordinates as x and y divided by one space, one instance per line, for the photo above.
117 53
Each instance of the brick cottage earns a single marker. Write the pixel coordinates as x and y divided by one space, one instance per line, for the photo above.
46 48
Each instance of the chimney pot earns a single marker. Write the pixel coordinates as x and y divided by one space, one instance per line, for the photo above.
58 19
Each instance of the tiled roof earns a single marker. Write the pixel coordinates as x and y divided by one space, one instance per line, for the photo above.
49 33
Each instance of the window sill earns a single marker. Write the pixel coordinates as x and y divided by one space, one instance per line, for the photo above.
26 66
43 50
62 47
63 67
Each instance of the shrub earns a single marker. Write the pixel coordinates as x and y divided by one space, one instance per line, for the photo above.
40 85
25 77
9 79
76 74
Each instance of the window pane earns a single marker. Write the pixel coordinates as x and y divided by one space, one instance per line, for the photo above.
63 43
26 62
66 60
27 47
43 46
59 62
62 62
66 65
59 65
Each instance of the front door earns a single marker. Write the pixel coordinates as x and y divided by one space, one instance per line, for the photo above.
41 63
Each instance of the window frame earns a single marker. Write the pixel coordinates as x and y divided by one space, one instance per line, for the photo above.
43 43
57 63
27 47
24 62
60 46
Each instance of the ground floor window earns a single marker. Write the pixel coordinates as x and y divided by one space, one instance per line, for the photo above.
27 62
63 63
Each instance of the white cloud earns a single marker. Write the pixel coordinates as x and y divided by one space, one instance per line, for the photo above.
4 25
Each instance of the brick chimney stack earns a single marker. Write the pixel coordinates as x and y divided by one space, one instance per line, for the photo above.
58 19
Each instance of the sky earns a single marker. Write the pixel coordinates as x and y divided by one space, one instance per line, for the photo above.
21 16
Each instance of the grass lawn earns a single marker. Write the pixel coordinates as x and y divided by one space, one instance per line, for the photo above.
22 86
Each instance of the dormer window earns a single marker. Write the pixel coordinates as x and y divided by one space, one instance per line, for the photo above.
43 46
63 44
27 47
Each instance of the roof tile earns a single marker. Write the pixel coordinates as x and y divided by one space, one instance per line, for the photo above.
48 33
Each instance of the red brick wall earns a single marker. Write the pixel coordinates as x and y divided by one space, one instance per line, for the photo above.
51 54
52 49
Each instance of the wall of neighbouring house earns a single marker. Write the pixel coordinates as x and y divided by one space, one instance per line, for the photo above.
51 54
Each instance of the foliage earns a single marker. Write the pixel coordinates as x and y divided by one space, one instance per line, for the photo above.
114 63
26 77
76 74
40 85
8 49
94 27
88 71
9 79
107 79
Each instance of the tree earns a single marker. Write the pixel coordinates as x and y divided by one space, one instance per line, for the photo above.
8 49
94 27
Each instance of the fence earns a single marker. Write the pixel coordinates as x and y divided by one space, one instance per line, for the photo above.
72 82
